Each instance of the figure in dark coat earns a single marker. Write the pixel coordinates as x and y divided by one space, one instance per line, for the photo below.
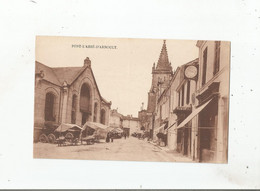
108 138
111 137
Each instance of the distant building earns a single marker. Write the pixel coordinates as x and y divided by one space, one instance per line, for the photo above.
115 119
127 123
143 118
131 124
67 95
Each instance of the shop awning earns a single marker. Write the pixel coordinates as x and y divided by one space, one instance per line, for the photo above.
171 126
162 126
193 114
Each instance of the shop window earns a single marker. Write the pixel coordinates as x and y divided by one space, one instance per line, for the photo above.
217 57
204 67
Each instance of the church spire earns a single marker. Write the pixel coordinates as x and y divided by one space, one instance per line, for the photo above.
163 62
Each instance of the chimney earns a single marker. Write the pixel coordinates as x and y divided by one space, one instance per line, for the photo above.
87 62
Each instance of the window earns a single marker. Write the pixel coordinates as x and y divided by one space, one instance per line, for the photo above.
85 103
182 95
188 93
95 112
204 68
103 116
217 57
179 100
73 110
49 107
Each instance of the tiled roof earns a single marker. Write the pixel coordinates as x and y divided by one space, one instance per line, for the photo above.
60 74
49 74
67 74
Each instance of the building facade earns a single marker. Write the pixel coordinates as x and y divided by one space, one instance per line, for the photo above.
213 94
131 124
115 119
67 95
190 106
161 76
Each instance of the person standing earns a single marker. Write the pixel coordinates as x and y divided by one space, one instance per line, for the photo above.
108 137
111 137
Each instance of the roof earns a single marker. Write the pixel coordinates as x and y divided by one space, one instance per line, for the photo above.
105 101
67 74
49 74
58 75
130 118
163 62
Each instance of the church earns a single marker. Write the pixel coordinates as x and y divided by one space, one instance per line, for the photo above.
161 76
67 95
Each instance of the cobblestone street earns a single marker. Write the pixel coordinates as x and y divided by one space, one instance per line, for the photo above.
130 149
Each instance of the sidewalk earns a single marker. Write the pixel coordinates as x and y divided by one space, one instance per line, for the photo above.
178 157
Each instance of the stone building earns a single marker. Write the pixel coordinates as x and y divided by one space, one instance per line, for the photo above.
131 124
182 107
191 105
208 120
161 76
128 124
67 95
115 119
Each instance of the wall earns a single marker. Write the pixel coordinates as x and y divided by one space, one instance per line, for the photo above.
41 89
222 76
134 125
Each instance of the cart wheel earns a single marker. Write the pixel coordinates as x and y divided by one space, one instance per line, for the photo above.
51 138
69 137
43 138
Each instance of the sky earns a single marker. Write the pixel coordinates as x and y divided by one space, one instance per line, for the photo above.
123 75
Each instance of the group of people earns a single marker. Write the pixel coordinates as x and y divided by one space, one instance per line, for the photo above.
110 137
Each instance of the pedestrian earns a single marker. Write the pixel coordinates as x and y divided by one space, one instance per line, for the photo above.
125 135
107 138
112 138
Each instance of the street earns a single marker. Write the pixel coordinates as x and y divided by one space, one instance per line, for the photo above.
130 149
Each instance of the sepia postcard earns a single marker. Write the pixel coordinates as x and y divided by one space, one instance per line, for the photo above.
131 99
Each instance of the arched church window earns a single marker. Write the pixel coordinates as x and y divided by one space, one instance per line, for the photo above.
49 107
103 116
95 112
73 109
85 103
